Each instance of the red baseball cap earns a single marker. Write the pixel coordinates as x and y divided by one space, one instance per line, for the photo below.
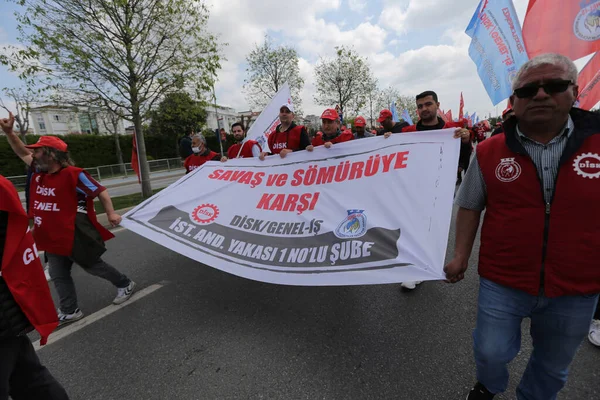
330 114
508 109
49 141
383 115
360 121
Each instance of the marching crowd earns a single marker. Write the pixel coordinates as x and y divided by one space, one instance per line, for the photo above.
539 243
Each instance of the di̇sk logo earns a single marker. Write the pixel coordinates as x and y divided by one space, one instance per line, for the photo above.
205 214
587 22
353 226
508 170
587 165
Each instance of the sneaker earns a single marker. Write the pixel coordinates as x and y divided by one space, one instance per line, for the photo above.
410 284
594 335
123 294
64 319
479 392
47 272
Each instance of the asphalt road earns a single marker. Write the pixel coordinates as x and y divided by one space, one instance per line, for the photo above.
209 335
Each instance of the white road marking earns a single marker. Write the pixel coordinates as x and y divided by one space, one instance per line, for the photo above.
87 320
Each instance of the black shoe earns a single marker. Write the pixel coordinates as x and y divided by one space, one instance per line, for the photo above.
479 392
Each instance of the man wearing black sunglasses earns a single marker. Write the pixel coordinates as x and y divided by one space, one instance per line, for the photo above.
539 183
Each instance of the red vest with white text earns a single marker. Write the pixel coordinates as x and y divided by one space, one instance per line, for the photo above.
196 160
21 267
320 139
54 208
536 247
289 139
246 151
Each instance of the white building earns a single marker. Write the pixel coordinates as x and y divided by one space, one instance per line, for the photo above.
227 117
64 120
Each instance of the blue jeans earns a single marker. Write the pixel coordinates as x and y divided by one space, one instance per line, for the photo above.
558 326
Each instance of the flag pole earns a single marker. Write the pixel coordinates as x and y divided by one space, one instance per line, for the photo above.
217 115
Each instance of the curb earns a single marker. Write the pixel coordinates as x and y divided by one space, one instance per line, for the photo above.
120 184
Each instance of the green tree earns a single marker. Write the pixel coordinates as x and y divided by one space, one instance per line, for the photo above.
23 97
130 52
177 115
341 80
269 67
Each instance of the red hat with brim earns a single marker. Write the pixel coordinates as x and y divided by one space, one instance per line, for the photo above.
49 141
383 115
330 114
360 121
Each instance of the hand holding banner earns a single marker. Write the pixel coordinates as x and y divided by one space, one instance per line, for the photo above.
313 218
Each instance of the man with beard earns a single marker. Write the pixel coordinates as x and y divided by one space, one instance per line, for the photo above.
201 154
288 136
388 124
331 132
65 224
359 128
427 108
247 149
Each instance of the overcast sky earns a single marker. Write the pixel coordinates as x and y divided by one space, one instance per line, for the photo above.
411 45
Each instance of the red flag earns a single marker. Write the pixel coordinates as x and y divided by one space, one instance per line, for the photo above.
442 115
589 83
570 27
449 116
135 163
462 106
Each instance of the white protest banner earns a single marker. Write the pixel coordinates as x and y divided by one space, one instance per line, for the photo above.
268 119
367 211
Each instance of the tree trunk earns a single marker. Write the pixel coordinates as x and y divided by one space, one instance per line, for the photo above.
141 147
115 124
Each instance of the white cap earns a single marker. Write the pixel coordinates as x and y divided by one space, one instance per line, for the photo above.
288 105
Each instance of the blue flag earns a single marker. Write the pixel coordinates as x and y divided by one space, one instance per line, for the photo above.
394 112
406 117
473 116
497 46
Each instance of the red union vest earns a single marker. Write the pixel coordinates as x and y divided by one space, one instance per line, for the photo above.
196 160
289 139
53 208
528 245
246 149
21 267
342 137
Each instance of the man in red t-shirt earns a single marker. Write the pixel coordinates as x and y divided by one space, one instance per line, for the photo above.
330 131
241 149
201 154
65 224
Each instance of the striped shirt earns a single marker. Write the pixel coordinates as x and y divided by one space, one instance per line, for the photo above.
472 193
86 187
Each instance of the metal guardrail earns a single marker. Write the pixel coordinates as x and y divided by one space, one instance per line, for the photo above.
113 171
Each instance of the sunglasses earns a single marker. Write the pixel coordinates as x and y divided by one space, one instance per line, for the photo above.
549 87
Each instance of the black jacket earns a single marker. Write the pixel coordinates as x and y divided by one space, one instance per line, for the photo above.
12 320
397 128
